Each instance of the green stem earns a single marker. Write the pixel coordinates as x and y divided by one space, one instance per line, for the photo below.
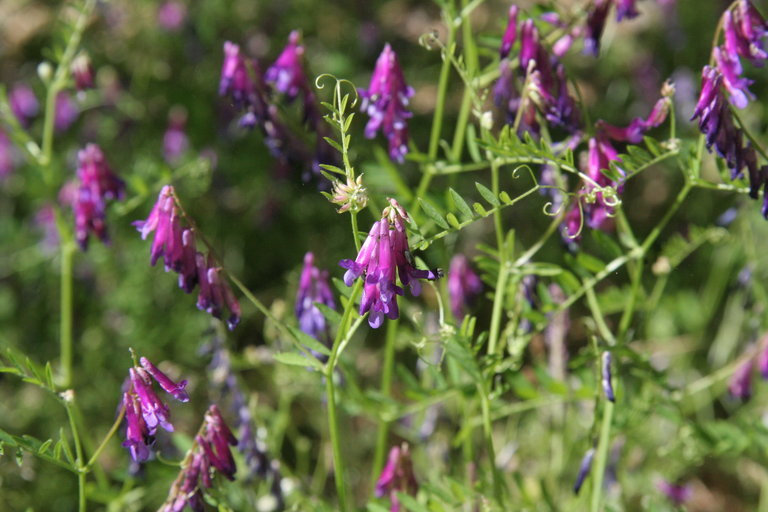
81 470
65 332
106 439
470 58
629 310
497 213
498 301
355 237
386 388
485 407
442 87
601 457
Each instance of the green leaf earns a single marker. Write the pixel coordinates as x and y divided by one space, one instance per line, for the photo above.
453 221
487 194
474 151
295 359
333 168
308 341
335 145
505 197
589 262
331 315
542 269
461 204
44 447
433 214
410 503
480 209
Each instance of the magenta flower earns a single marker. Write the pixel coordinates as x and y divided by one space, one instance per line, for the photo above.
287 73
677 494
386 101
175 140
176 244
740 385
23 103
510 34
634 132
171 15
313 288
745 31
210 454
762 361
626 9
463 285
397 476
383 256
731 70
144 411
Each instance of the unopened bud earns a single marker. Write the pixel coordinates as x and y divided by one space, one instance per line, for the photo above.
45 71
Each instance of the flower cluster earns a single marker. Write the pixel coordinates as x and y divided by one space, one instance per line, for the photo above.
397 476
287 76
210 454
314 288
744 30
383 257
144 411
597 16
177 246
463 285
386 101
96 184
740 385
545 86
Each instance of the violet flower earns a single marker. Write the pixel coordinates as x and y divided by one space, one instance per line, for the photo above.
144 411
633 133
596 18
464 285
383 256
23 103
397 476
235 80
510 34
314 288
626 9
175 140
740 385
215 293
606 376
745 30
210 454
171 15
66 111
287 73
584 468
677 494
385 101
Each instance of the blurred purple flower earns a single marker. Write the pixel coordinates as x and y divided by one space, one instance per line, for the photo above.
288 76
510 34
97 183
740 385
175 140
463 285
762 360
397 476
23 103
383 256
584 468
215 292
385 101
209 454
606 376
731 70
745 31
626 9
66 111
171 15
314 288
45 220
82 72
677 494
596 18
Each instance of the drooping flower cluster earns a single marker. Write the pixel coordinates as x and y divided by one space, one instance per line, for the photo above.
386 102
96 184
397 476
464 285
210 454
144 411
383 257
288 77
176 244
745 31
597 16
314 288
545 86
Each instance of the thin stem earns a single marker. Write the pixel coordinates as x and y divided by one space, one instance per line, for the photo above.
386 388
65 331
470 58
498 302
81 470
496 214
601 457
597 313
629 310
355 237
106 439
485 407
442 87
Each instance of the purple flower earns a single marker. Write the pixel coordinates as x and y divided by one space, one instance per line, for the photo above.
634 132
762 360
731 70
626 9
383 256
175 140
740 385
745 31
215 293
385 101
66 111
209 454
677 494
606 376
313 288
82 72
165 382
596 18
287 73
96 184
510 34
144 411
397 476
23 103
171 15
463 285
584 468
235 80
